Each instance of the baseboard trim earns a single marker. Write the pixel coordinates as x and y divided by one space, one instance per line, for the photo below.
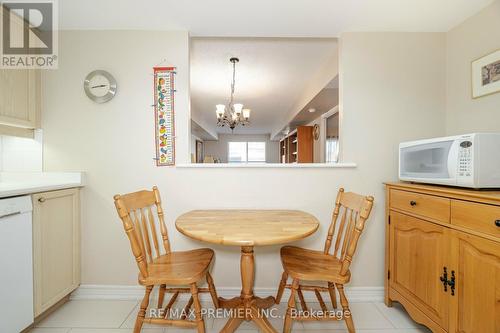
122 292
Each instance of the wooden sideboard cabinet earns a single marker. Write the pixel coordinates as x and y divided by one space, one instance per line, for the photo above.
443 256
56 246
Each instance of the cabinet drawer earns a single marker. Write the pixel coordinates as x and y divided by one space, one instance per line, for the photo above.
424 205
476 216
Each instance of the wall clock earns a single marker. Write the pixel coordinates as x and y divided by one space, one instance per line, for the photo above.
100 86
316 132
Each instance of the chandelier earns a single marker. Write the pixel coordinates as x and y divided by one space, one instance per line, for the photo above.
234 114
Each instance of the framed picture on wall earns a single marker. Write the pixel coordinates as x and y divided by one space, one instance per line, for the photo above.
486 75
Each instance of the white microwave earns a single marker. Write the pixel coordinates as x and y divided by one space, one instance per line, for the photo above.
469 160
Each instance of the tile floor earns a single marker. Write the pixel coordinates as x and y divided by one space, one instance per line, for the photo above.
106 316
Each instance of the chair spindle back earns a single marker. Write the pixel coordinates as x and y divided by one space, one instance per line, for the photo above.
136 212
348 221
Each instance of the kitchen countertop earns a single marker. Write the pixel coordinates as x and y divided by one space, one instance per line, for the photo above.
20 183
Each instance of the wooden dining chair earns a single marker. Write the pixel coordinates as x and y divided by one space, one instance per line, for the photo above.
159 266
352 210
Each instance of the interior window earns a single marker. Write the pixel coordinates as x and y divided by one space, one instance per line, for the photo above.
238 122
241 152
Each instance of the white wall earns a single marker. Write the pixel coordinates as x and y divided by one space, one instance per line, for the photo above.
19 154
392 88
474 38
219 148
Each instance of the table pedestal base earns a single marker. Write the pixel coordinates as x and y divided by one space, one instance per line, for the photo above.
247 306
237 302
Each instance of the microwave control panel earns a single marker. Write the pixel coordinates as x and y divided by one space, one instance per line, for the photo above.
465 159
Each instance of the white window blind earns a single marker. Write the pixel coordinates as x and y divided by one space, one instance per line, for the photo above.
256 151
332 151
332 139
237 152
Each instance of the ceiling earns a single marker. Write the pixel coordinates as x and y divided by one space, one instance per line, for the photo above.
264 18
198 131
270 77
323 102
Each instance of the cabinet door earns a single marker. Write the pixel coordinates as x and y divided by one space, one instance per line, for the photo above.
418 253
19 97
19 89
56 246
476 304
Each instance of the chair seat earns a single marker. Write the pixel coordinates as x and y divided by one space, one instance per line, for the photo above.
310 265
179 268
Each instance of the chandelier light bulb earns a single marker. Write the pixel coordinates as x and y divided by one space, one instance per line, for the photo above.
237 108
220 109
246 113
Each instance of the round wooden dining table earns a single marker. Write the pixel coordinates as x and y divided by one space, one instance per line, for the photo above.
247 228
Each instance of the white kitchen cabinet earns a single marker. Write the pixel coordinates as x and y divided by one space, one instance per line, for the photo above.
56 246
19 98
19 95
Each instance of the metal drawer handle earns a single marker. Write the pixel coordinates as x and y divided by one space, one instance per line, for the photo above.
41 200
497 223
446 282
413 203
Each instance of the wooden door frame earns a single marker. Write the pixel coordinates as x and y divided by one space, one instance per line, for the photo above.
197 143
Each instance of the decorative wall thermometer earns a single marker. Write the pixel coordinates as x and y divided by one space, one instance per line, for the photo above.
164 115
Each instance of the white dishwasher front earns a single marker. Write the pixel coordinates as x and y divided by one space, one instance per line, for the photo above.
16 262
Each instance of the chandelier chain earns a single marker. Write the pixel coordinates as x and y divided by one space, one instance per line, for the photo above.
233 84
